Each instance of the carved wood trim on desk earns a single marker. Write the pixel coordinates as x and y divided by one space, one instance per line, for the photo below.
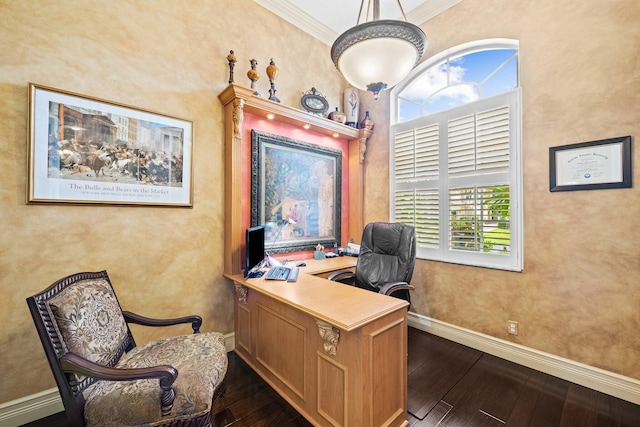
336 353
330 335
237 101
242 293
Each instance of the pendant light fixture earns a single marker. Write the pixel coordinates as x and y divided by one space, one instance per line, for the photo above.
378 54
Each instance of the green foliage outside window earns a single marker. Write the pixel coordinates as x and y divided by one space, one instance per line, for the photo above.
482 226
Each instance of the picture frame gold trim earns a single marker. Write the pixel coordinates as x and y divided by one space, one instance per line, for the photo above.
296 191
593 165
87 150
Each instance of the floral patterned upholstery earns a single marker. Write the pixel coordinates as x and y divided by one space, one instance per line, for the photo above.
80 316
90 320
201 361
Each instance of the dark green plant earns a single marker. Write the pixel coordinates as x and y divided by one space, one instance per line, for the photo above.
498 205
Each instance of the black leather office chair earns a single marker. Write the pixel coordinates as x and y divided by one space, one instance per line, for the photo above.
386 260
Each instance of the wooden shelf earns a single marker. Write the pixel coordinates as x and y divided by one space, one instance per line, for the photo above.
285 114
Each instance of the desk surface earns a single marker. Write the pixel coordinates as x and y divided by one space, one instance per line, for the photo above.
345 307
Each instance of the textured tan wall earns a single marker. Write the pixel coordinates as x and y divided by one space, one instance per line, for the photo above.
162 55
578 296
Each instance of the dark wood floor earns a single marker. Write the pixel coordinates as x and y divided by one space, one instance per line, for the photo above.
449 385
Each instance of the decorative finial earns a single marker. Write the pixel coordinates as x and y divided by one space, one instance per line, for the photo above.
272 73
253 75
231 58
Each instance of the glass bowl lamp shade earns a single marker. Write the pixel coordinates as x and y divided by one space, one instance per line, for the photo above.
377 55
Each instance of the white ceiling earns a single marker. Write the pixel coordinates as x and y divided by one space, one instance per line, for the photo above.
327 19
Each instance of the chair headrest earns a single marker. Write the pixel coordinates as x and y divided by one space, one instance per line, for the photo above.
388 238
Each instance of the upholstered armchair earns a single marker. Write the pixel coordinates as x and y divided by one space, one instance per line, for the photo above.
386 260
104 378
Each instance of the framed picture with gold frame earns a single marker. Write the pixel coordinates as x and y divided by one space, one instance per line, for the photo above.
88 150
295 192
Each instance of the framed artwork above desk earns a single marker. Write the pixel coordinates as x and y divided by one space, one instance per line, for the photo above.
296 192
238 101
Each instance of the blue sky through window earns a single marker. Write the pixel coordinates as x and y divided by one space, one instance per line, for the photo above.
458 81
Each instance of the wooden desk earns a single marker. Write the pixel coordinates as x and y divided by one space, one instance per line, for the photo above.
324 267
336 353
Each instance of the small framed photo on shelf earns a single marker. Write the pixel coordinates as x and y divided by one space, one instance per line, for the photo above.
85 150
592 165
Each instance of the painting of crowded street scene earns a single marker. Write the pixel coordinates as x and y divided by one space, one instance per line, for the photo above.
86 150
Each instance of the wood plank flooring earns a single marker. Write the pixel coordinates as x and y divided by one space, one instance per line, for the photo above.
449 385
250 401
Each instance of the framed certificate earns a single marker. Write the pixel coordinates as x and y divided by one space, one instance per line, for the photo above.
591 165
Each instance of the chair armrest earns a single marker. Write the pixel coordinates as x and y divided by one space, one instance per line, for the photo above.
392 287
73 363
196 321
340 275
166 373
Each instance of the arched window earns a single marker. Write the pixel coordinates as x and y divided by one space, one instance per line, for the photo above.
455 163
458 76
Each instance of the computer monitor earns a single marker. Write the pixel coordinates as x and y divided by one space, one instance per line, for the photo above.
254 246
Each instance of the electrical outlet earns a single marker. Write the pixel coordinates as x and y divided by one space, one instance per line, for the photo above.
513 327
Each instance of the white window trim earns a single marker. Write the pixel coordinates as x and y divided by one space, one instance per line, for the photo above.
515 261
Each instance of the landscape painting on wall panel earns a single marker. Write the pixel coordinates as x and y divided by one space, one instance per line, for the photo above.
295 192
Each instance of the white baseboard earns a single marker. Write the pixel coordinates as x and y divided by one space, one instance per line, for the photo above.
30 408
616 385
230 341
48 402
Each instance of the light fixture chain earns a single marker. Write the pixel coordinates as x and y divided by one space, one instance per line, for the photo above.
376 11
402 11
360 13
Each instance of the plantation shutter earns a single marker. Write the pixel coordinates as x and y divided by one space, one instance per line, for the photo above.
416 153
479 142
453 177
416 160
427 218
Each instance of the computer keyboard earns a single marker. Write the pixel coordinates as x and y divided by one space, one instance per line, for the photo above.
277 272
280 272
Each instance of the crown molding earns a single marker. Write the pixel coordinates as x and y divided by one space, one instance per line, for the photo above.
297 17
429 9
300 19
